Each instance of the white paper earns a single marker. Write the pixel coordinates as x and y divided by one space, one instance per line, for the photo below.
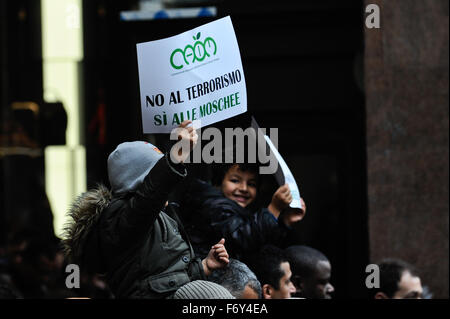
169 69
288 177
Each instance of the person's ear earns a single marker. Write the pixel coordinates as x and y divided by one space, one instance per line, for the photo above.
297 283
267 291
381 295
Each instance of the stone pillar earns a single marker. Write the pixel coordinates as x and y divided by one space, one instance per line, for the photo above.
406 84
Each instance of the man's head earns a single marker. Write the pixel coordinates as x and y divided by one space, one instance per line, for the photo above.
271 266
239 182
238 279
202 289
311 272
129 163
398 280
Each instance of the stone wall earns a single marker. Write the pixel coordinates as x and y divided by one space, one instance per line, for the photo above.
406 84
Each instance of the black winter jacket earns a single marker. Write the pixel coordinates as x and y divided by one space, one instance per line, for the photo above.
132 240
209 216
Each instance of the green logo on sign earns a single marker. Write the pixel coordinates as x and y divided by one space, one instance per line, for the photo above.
198 52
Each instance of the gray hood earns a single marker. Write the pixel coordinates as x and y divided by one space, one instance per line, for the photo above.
129 163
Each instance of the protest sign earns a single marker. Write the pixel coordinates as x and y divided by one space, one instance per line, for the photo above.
196 75
283 174
288 177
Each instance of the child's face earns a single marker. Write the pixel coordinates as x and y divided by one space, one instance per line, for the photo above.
240 186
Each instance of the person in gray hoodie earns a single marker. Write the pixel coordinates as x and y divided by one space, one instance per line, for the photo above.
130 233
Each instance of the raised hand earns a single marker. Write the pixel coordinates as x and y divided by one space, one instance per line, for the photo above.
186 138
280 200
217 258
294 215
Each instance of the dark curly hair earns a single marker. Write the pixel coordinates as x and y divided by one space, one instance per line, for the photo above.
391 271
267 265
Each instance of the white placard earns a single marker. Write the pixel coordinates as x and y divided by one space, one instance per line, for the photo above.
196 75
288 177
282 174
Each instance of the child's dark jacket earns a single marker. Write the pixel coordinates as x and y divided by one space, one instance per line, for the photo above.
132 240
209 216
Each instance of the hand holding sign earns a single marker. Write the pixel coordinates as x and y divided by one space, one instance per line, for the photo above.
296 209
187 138
280 200
292 215
287 198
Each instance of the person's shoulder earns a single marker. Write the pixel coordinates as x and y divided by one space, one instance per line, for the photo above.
204 190
118 203
264 214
